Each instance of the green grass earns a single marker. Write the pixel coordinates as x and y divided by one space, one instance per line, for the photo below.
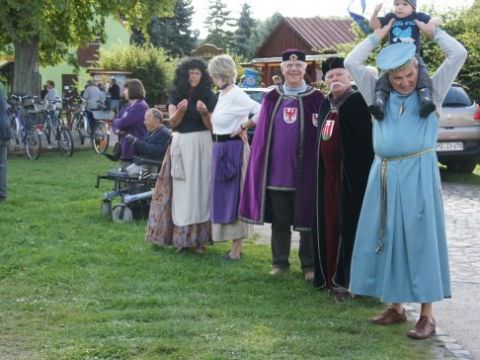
73 285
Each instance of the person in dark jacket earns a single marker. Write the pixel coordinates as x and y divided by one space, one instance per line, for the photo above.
155 143
4 138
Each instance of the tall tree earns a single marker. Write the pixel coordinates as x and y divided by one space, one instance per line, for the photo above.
45 30
174 34
242 38
219 24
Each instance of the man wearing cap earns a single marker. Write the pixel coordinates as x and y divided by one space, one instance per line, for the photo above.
344 157
400 253
279 182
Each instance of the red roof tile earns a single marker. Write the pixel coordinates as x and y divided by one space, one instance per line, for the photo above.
322 33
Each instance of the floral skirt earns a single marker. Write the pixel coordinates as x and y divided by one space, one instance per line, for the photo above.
160 228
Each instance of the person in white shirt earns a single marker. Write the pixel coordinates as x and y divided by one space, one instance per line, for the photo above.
234 112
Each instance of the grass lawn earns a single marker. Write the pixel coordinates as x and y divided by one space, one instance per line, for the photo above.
472 179
73 285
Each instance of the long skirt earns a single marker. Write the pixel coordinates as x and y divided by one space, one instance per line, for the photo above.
229 164
161 227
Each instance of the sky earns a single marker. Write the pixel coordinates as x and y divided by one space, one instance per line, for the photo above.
262 9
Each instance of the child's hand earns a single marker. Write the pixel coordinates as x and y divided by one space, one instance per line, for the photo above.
427 29
436 21
378 7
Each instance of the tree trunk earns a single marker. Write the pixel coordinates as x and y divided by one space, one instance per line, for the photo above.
26 78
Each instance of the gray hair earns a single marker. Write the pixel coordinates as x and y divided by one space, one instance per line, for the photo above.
223 67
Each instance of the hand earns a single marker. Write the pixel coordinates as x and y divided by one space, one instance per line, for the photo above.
237 132
377 9
131 139
427 29
383 31
202 108
437 21
182 105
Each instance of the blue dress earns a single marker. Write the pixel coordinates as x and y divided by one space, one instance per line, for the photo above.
412 264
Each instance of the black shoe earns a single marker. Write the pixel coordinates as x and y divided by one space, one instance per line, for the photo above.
110 157
377 109
426 103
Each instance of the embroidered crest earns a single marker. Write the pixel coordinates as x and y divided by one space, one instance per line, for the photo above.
315 119
290 115
293 57
327 129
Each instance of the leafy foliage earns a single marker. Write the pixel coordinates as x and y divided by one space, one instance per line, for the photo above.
147 63
219 24
174 33
242 38
263 29
53 26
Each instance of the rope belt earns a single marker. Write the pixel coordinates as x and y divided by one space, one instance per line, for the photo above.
383 174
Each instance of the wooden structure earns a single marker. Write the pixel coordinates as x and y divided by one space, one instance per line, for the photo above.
317 36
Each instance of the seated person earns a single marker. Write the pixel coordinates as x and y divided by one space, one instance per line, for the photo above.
154 145
131 119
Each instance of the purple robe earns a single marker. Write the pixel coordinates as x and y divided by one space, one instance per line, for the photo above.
253 207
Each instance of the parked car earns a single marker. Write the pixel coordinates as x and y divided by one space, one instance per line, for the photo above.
256 94
458 144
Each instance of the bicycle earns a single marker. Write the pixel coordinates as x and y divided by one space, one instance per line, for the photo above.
54 124
25 122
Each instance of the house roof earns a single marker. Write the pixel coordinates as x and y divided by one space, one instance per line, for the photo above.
322 33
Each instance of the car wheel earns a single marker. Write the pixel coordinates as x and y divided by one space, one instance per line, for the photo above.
465 167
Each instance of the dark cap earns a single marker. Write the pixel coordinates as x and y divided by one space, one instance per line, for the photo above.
331 63
293 55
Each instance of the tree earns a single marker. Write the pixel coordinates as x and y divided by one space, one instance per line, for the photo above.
45 30
263 29
174 34
146 63
219 25
242 38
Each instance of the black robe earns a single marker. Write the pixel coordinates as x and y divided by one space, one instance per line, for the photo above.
357 157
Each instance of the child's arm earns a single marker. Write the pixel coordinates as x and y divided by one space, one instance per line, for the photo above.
436 21
374 20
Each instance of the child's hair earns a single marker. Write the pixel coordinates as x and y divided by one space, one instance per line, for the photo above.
157 114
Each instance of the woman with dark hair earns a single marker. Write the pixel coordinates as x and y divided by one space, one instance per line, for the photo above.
180 207
130 119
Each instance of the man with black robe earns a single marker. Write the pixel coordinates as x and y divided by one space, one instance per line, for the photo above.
344 156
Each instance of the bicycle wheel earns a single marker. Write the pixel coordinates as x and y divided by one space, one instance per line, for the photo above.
101 138
33 144
65 141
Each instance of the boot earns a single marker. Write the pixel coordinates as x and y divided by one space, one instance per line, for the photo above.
426 104
377 109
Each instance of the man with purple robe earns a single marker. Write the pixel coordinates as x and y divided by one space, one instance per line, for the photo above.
280 179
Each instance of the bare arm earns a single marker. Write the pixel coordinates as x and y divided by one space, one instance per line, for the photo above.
205 114
177 112
374 22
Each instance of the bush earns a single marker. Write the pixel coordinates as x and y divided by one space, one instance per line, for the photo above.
151 65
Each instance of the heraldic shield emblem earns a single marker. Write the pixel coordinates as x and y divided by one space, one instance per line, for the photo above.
327 129
290 115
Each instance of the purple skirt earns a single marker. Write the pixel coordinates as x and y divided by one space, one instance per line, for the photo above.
226 177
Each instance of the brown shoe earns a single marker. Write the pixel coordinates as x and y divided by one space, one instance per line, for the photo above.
424 328
390 316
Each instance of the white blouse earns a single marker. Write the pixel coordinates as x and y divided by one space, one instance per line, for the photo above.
233 108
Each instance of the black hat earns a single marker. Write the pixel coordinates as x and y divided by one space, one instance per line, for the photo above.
293 54
331 63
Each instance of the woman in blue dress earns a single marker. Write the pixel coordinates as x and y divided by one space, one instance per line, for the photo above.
400 252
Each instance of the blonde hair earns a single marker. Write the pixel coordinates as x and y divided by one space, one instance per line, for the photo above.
223 67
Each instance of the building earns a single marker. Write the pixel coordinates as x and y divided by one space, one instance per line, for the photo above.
317 36
65 74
